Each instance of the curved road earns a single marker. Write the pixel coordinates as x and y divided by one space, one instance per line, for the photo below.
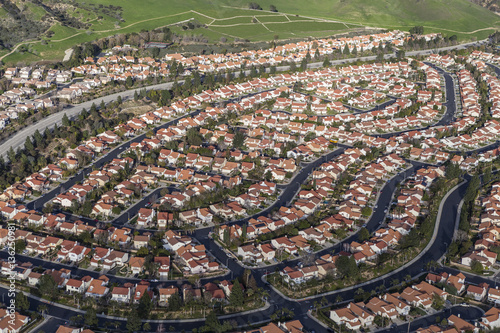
437 247
17 140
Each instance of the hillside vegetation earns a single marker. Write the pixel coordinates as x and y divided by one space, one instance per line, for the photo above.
53 26
448 15
493 5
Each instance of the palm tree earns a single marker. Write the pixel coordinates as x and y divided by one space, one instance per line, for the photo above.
394 282
431 265
42 308
338 299
360 291
263 293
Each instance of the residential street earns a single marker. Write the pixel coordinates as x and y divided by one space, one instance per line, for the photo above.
437 247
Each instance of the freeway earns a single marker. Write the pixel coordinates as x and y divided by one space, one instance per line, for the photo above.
443 234
17 140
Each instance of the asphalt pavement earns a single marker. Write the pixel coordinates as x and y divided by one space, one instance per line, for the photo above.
437 248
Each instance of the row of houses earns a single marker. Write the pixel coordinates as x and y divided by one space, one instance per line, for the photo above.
127 293
194 258
480 293
487 229
216 62
356 316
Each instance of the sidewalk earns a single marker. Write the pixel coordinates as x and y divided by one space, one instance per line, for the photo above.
387 275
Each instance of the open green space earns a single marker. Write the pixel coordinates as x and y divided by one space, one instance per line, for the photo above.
224 18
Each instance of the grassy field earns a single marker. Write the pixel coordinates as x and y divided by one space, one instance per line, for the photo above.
232 20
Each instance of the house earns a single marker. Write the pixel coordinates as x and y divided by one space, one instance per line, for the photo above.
145 217
165 294
494 296
163 266
75 286
136 264
141 241
250 253
121 294
461 325
491 319
97 288
354 316
478 292
12 324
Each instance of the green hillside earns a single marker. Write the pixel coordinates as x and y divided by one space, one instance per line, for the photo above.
450 15
75 22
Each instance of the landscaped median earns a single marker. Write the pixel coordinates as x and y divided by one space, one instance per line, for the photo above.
347 274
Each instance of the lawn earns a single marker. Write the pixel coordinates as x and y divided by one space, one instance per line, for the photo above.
229 19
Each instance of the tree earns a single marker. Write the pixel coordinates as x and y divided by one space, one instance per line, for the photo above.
452 171
87 208
236 298
417 30
471 192
303 64
174 302
42 308
91 317
227 238
326 62
28 144
142 252
129 82
11 154
239 139
116 210
65 120
47 285
437 302
254 5
22 302
136 96
244 232
476 267
20 245
316 54
212 322
347 268
363 234
366 211
144 306
193 137
133 322
487 175
273 8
